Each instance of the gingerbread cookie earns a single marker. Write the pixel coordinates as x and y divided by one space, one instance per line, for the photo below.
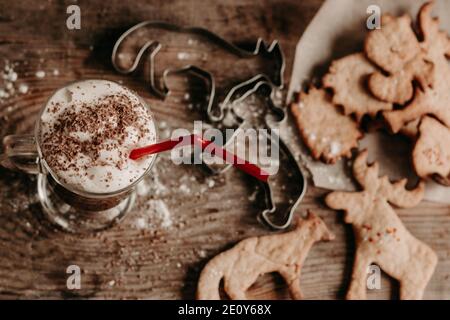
327 132
432 100
381 237
431 154
393 45
445 181
436 43
398 87
245 262
411 129
396 50
347 77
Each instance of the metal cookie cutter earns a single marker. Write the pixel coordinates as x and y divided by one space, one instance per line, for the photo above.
271 207
217 112
265 89
161 34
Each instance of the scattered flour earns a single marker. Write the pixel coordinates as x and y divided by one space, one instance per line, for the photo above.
140 223
202 253
23 88
142 188
164 130
9 77
151 184
40 74
162 125
159 211
156 216
184 189
183 55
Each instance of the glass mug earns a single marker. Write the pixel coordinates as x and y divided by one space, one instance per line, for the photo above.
71 209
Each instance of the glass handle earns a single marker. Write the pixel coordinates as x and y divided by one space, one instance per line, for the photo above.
20 152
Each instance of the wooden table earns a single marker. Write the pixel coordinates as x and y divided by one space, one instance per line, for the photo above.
207 215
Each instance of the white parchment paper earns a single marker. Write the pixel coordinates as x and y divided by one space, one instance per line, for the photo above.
338 29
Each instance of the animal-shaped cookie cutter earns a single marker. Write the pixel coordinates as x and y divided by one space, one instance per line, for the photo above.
154 46
249 86
235 97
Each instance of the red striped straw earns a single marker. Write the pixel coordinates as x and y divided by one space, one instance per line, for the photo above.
192 139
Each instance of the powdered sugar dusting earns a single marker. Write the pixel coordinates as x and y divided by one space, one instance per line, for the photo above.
335 148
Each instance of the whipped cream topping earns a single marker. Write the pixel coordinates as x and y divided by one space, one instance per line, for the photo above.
88 130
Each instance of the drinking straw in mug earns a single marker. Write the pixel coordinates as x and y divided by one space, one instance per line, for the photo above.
229 157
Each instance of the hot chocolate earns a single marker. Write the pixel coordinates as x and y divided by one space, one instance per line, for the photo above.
87 132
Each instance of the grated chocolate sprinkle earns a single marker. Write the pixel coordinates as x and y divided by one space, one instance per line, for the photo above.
88 129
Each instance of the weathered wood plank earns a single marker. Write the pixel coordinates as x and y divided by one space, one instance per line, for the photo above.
126 262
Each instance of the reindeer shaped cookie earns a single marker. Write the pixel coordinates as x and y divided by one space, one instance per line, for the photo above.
381 237
244 263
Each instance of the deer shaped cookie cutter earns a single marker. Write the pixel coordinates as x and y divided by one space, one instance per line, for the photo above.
216 117
234 97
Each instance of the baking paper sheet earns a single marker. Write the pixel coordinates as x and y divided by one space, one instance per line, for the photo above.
338 29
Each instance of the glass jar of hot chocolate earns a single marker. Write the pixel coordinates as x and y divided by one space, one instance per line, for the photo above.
80 151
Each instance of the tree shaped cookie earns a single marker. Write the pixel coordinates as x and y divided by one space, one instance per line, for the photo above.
347 77
396 50
328 133
245 262
431 154
380 235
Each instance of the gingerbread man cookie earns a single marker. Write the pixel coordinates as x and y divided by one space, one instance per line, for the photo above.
381 237
244 263
317 118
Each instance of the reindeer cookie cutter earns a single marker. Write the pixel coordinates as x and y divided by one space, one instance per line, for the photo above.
250 86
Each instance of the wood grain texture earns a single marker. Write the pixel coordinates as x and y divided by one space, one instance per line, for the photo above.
126 262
